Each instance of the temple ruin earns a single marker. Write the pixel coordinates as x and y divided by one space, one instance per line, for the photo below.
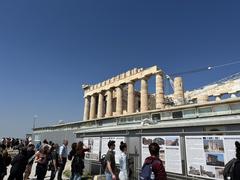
117 96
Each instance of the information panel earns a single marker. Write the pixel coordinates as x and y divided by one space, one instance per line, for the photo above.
93 143
104 148
170 151
207 155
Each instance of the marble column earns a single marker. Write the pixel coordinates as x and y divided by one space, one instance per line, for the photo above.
159 91
144 95
109 103
119 106
218 98
93 107
131 98
86 109
100 105
178 91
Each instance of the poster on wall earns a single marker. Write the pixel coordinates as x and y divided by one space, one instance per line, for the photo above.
117 140
207 155
170 151
93 143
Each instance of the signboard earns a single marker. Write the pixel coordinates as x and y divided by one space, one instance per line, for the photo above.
93 143
207 155
170 151
117 140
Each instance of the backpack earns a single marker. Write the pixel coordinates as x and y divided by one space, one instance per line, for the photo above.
103 162
228 169
146 172
78 164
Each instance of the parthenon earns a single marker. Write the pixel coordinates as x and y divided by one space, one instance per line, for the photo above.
107 98
117 96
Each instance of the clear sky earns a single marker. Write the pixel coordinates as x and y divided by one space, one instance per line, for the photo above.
48 49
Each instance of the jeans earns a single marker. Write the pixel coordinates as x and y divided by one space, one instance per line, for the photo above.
76 176
123 175
61 168
108 176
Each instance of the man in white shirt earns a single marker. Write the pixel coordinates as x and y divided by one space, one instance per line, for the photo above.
63 153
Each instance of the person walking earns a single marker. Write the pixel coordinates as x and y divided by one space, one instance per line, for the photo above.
110 170
19 164
63 154
70 157
123 175
42 162
54 156
158 170
78 161
30 157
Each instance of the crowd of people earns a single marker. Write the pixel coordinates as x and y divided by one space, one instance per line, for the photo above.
47 156
50 156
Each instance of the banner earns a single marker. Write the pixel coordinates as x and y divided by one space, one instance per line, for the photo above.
93 143
170 151
207 155
117 140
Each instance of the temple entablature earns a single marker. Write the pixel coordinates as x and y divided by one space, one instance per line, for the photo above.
131 75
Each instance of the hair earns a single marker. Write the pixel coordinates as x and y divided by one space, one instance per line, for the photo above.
74 146
79 148
237 144
110 143
154 149
122 146
31 145
45 141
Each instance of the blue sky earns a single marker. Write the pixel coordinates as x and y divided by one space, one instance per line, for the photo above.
49 48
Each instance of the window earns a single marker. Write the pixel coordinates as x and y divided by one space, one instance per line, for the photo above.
177 114
156 116
221 109
189 113
166 115
206 111
235 107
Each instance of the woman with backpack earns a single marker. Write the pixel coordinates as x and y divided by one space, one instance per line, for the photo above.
78 161
123 174
71 155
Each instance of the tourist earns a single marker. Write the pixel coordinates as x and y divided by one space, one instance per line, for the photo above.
110 170
232 168
78 161
158 170
71 155
63 154
42 162
54 156
123 175
30 157
19 164
3 168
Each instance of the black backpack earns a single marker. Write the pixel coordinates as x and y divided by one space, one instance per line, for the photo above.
229 168
103 162
78 164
